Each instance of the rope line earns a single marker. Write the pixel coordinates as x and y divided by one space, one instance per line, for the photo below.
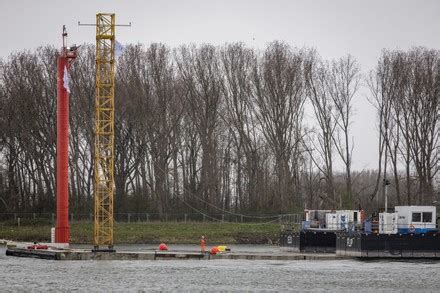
223 221
275 217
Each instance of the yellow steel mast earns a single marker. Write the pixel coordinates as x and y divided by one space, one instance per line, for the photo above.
104 186
104 183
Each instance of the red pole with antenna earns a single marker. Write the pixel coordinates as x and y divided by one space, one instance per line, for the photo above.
66 56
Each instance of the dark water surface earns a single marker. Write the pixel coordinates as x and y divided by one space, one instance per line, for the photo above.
25 274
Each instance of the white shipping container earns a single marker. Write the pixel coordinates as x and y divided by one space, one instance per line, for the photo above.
337 221
331 221
388 223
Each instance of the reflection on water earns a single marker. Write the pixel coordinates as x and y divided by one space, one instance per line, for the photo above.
18 274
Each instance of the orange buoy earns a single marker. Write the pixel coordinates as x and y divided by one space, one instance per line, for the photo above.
163 246
214 250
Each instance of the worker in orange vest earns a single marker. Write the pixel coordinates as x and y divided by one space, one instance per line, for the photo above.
202 244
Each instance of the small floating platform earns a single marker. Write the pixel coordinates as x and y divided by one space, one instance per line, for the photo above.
32 253
82 254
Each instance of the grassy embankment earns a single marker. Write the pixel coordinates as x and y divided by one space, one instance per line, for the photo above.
140 233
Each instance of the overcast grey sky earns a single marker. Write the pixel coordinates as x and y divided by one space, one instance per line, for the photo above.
334 28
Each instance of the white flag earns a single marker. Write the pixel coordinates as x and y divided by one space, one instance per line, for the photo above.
119 48
66 80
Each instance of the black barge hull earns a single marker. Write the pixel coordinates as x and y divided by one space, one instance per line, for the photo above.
308 241
388 246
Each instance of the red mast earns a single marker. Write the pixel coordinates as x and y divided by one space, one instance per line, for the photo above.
67 55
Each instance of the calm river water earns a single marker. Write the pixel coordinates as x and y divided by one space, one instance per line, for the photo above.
24 274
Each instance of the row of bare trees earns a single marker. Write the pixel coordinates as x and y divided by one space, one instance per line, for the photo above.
222 129
405 90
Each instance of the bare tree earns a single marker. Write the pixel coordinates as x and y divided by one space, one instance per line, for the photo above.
81 139
322 148
278 86
237 64
199 71
343 84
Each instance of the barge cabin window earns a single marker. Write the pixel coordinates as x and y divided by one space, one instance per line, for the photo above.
416 217
427 217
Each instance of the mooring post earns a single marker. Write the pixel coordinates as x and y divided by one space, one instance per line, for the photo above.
18 222
185 218
148 217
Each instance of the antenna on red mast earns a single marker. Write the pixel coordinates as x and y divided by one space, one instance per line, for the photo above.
64 38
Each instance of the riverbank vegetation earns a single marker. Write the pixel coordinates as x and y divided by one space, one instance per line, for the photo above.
155 232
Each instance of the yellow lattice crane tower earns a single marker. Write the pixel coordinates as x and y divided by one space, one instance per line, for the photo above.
104 149
104 183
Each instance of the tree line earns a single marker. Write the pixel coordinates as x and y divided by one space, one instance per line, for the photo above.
224 128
